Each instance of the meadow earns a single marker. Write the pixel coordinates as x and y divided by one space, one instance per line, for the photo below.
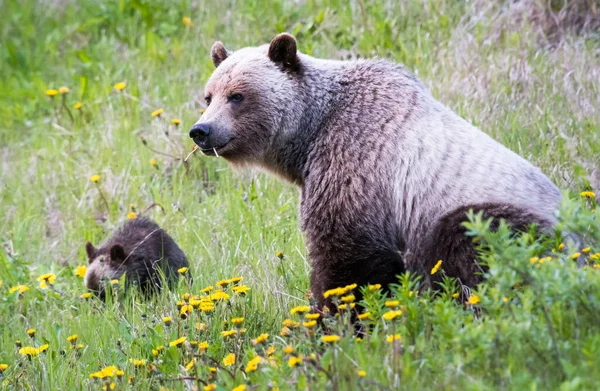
96 102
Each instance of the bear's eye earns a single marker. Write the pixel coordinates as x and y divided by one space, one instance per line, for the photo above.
207 99
236 98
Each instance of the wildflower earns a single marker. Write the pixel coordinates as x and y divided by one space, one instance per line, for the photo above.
270 350
137 363
362 373
51 93
120 86
153 162
167 320
190 365
392 304
72 338
157 113
31 333
29 351
374 287
203 346
223 283
346 306
131 215
289 349
237 320
202 111
157 350
330 338
299 310
207 289
312 316
229 333
176 121
3 367
18 343
43 348
597 266
21 288
575 256
473 299
178 341
392 338
310 324
241 387
235 280
260 339
285 332
77 106
80 271
200 326
595 257
240 289
505 299
219 295
455 295
207 307
95 178
391 315
210 387
63 90
293 361
561 246
253 364
334 292
182 270
534 260
187 21
114 282
348 299
587 194
119 373
229 360
46 280
365 315
212 369
186 310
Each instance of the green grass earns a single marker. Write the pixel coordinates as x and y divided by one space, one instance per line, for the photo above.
482 59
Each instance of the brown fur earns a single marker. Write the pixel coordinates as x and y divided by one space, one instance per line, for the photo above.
142 250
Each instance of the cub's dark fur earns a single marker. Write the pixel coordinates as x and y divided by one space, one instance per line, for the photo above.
142 250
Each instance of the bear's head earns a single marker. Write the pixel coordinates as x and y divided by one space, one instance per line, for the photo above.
253 100
105 264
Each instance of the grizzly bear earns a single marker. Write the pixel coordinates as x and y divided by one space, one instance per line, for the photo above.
387 173
141 250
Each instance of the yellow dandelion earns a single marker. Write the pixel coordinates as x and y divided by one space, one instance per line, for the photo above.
73 338
436 267
77 106
561 246
455 295
203 345
51 93
237 320
229 360
346 306
362 373
575 256
210 387
20 288
394 337
330 338
3 367
153 162
334 292
114 282
505 299
63 90
310 324
253 364
95 178
46 279
534 260
348 298
80 271
312 316
43 348
392 303
187 21
473 300
240 289
260 339
289 349
190 365
178 341
200 326
228 333
85 295
167 320
131 215
587 194
285 331
375 287
390 315
182 270
241 387
31 333
364 316
120 86
207 289
157 350
293 361
597 266
586 250
157 113
137 363
176 121
29 351
299 310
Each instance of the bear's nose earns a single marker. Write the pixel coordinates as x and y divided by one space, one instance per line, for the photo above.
199 132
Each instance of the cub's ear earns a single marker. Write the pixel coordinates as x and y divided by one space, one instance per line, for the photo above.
90 251
117 253
218 53
282 50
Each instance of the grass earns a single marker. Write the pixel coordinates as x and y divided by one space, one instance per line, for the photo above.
486 60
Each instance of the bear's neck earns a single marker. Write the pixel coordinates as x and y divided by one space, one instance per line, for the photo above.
290 151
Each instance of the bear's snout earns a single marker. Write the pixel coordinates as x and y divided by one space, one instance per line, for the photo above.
210 138
199 133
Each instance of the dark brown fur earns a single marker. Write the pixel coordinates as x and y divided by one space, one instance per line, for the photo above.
142 250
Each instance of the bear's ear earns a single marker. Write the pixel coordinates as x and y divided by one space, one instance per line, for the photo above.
218 53
117 253
90 251
282 50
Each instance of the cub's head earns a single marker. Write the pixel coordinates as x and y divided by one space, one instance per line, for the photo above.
251 98
105 264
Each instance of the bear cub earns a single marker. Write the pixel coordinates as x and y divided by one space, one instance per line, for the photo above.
141 250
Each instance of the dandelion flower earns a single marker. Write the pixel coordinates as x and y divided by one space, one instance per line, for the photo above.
182 270
534 260
391 315
131 215
362 373
455 295
289 349
157 350
285 331
63 90
157 113
253 364
310 324
392 303
334 292
330 338
561 246
374 287
95 178
3 367
51 93
436 267
241 387
346 306
392 338
80 271
176 121
178 342
46 280
21 288
312 316
167 320
237 320
584 250
260 339
587 194
240 290
190 365
29 351
219 295
187 21
77 106
120 86
293 361
207 289
473 300
72 338
31 333
348 298
228 333
229 360
137 363
575 256
299 310
153 162
279 254
365 315
210 387
203 345
505 299
114 282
